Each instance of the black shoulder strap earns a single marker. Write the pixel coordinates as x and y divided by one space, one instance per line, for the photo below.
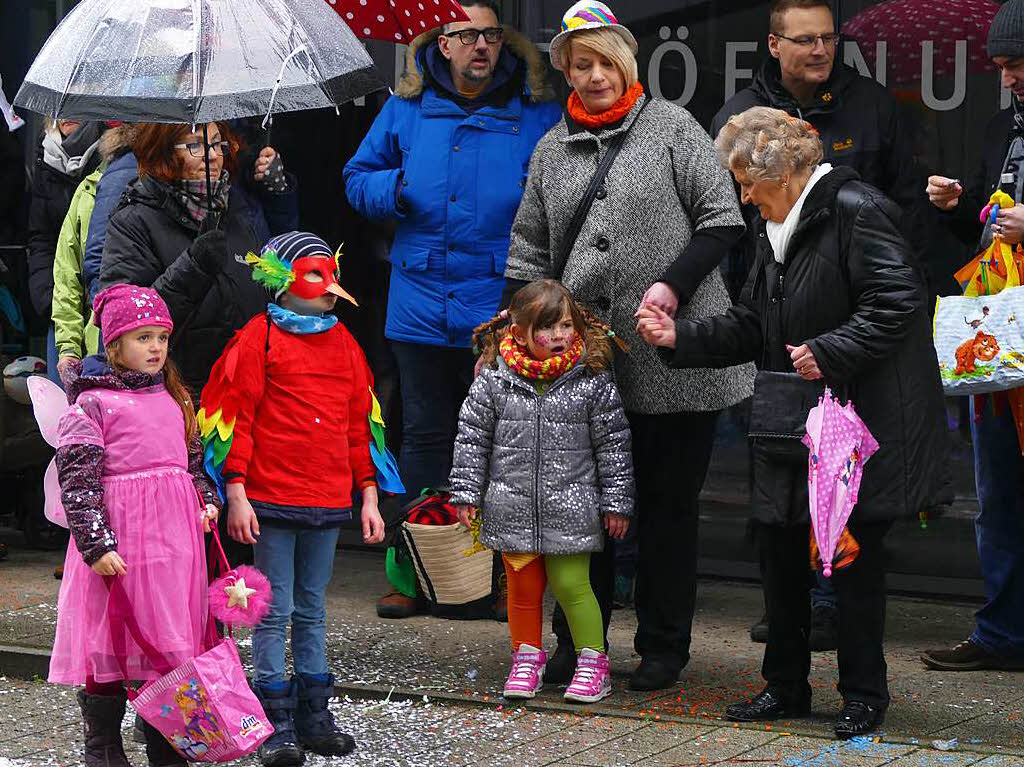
583 209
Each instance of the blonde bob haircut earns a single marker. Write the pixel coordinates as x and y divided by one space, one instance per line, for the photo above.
607 43
767 144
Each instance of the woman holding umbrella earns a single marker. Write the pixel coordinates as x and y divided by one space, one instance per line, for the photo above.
181 234
833 295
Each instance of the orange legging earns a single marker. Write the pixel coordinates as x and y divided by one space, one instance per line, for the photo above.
569 576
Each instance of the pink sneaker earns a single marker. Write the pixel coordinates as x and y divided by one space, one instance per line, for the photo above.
592 680
527 674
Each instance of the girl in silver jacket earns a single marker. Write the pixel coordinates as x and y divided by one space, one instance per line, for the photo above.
543 452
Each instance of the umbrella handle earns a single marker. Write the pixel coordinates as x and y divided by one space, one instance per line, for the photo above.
206 162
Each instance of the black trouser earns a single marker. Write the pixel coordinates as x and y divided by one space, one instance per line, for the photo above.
787 577
671 453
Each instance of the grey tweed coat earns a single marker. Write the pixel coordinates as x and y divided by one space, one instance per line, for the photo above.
543 468
665 184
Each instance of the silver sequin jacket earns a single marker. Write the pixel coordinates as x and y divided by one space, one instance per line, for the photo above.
543 468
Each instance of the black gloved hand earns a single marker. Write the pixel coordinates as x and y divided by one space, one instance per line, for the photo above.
210 251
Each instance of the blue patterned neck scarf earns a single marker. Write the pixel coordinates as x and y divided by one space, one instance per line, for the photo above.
300 324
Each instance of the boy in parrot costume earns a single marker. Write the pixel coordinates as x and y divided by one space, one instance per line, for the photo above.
292 433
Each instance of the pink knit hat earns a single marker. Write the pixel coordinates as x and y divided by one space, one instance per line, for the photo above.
123 308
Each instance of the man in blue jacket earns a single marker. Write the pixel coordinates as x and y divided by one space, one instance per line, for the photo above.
447 160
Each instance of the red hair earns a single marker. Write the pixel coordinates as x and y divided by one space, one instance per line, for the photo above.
154 149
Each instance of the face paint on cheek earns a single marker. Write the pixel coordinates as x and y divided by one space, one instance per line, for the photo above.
542 338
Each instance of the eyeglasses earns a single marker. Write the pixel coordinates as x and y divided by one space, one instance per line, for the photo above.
809 41
195 148
470 36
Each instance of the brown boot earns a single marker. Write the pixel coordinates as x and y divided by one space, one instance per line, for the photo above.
102 715
395 604
58 571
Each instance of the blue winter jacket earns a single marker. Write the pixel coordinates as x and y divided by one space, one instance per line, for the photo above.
460 174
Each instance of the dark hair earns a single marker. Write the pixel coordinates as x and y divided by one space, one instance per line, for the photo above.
779 8
491 4
154 149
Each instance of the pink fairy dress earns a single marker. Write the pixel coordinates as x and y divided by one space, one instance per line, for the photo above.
153 509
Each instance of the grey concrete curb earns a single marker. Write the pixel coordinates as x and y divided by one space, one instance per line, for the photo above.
31 663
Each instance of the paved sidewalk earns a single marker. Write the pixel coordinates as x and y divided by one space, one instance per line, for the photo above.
975 718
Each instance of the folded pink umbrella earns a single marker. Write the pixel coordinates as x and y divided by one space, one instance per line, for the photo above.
839 443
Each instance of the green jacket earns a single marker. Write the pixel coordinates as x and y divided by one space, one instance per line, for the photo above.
76 336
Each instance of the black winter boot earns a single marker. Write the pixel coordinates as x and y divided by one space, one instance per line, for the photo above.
281 749
159 752
102 715
314 721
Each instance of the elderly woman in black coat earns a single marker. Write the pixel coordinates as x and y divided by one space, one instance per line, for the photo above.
833 295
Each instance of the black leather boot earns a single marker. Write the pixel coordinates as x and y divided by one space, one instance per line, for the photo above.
769 704
281 749
314 722
102 715
561 664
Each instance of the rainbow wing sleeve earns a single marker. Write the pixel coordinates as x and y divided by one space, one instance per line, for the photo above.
388 478
217 413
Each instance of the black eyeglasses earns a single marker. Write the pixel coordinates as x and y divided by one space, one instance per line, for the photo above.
470 36
808 41
195 148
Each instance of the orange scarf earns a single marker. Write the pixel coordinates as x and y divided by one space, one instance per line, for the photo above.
612 114
519 360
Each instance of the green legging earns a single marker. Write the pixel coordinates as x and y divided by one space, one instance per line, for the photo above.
569 577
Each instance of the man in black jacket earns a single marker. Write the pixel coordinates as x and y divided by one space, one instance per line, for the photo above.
860 127
998 638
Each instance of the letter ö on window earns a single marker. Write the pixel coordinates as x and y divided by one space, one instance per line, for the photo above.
689 65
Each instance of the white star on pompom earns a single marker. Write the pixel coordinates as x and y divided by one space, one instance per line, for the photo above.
238 594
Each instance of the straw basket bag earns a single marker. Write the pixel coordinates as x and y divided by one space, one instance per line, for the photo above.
450 569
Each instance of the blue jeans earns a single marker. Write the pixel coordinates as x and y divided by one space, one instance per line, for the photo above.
434 382
999 474
299 562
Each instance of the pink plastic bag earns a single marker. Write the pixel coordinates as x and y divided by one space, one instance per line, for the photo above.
205 707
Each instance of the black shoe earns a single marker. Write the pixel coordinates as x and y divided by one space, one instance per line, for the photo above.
102 715
759 631
159 752
824 629
314 722
281 749
769 704
654 673
967 656
561 665
858 719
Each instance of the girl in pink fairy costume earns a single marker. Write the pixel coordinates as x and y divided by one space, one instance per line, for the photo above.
130 466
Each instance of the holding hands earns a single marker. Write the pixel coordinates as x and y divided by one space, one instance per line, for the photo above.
656 326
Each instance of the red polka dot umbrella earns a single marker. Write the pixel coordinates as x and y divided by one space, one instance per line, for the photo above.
397 21
905 24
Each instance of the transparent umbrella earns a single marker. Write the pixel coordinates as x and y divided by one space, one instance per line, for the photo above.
196 61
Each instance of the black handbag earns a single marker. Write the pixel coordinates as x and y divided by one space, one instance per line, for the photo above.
778 415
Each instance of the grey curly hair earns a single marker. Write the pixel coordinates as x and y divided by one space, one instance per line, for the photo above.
767 144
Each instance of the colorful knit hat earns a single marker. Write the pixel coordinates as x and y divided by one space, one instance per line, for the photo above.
281 262
587 14
122 308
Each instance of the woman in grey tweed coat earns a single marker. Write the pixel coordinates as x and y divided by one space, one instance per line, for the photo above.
660 225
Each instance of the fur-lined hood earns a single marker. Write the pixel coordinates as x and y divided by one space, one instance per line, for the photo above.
116 142
410 86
